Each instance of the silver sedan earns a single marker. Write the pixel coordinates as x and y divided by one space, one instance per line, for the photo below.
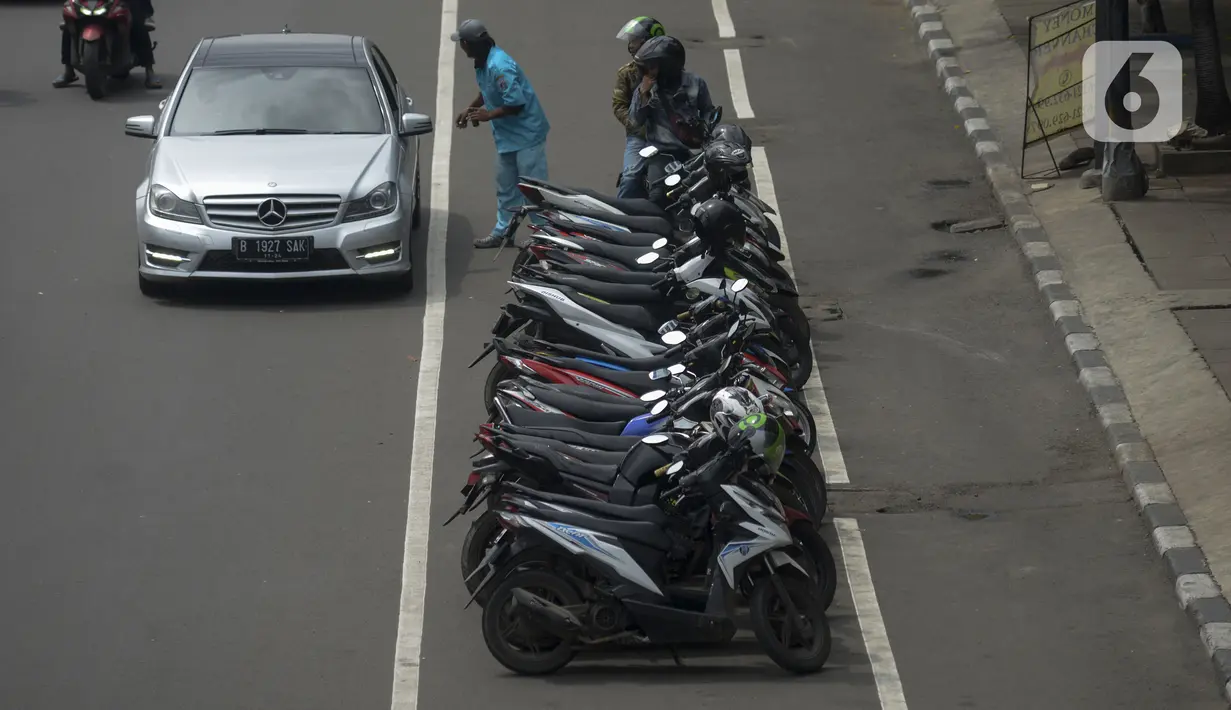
279 157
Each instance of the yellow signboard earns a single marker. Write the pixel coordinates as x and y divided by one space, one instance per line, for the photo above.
1058 41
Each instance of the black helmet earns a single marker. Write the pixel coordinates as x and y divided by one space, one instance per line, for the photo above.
724 156
667 52
718 222
640 29
731 133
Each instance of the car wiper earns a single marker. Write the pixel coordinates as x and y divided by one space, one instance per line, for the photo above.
258 131
351 133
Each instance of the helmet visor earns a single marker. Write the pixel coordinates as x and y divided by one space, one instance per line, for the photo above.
632 30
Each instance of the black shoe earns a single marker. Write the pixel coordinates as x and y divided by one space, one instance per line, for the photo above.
68 77
151 79
492 241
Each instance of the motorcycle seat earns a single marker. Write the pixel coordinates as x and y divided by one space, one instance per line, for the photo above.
592 410
644 513
654 225
589 393
637 382
577 451
649 534
527 417
601 273
574 437
619 293
568 465
641 366
629 316
641 240
635 207
626 256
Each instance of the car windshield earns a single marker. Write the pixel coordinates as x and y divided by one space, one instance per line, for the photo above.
259 100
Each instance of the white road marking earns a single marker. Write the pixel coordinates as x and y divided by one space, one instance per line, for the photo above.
726 28
739 89
868 610
827 446
418 513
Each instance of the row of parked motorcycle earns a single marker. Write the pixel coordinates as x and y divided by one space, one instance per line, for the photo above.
646 474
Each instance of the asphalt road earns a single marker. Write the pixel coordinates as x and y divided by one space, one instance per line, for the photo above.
205 501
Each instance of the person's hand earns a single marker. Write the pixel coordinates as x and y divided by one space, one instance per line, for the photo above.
647 81
460 121
480 115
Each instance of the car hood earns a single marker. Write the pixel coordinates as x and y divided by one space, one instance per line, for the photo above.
196 167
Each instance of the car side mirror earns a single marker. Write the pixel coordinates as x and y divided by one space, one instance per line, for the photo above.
648 152
139 126
415 124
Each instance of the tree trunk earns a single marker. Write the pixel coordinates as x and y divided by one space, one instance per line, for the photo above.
1213 104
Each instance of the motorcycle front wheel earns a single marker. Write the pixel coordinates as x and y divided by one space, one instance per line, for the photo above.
799 642
92 68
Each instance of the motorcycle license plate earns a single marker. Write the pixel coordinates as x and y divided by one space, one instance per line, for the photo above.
275 250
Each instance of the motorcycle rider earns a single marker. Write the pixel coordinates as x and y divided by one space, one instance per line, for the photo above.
636 31
142 12
671 104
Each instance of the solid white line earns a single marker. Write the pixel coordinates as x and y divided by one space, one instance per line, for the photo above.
867 608
726 28
827 446
739 89
418 511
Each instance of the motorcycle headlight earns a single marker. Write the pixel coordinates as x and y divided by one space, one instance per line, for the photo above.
380 201
168 205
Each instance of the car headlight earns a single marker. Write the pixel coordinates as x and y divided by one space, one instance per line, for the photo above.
168 205
378 202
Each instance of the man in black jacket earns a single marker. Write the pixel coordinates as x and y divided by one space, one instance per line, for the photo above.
142 46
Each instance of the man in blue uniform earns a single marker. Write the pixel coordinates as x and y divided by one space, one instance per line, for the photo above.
519 126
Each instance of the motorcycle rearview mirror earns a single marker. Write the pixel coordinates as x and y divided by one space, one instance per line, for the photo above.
653 396
660 374
647 258
675 468
656 439
674 337
673 180
658 408
659 244
648 152
739 285
676 369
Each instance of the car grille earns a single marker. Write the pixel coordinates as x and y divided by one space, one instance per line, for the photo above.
321 260
302 211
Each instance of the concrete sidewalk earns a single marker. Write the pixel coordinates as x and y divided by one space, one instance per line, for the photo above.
1141 289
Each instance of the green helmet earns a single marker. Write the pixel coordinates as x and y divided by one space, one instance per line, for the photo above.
639 29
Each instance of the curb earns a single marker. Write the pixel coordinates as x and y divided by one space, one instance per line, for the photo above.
1195 588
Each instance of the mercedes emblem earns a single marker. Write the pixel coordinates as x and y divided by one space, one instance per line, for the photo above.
271 212
272 184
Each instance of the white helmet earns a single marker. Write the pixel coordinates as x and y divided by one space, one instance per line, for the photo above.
730 406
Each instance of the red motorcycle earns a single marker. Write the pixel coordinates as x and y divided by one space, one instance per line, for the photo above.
100 33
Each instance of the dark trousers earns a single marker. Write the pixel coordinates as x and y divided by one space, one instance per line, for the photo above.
656 170
139 39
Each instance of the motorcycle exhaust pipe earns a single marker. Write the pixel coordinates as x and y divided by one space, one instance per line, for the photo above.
558 620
